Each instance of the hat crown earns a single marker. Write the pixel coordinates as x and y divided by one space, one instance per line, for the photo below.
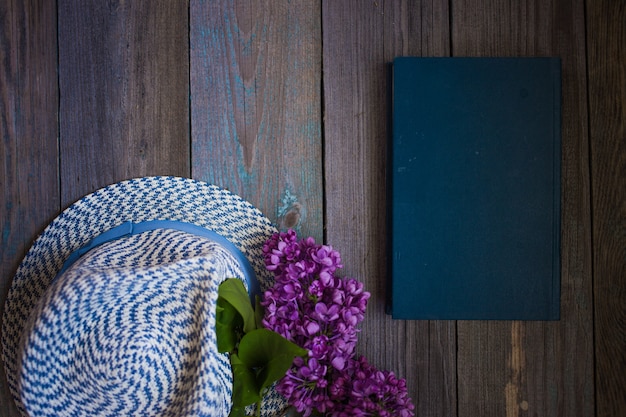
129 330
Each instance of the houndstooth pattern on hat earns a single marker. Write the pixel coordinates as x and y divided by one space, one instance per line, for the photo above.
128 331
138 200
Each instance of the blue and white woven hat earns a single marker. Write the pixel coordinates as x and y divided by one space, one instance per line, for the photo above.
112 311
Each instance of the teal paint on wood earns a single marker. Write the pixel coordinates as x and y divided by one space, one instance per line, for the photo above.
256 105
290 213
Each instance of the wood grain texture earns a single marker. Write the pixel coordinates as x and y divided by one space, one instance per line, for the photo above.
289 109
256 105
124 82
29 191
607 124
537 368
360 40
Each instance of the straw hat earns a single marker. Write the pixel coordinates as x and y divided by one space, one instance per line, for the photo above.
112 311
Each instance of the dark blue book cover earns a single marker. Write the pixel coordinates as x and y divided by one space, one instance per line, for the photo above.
474 181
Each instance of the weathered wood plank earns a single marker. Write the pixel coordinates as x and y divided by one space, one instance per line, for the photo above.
29 190
360 39
537 368
256 105
124 82
606 33
256 89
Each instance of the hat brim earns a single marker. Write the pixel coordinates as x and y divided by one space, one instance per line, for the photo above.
136 200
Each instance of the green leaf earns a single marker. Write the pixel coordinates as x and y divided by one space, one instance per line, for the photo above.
245 388
233 291
228 326
259 312
269 354
258 356
237 412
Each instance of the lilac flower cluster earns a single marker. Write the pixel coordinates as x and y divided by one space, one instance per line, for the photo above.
369 392
319 311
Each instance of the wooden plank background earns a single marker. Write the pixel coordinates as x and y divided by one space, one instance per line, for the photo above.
286 103
606 46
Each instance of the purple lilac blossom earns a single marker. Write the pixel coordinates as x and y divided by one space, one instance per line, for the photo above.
312 307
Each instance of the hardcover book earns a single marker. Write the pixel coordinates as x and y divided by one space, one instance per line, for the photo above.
474 180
